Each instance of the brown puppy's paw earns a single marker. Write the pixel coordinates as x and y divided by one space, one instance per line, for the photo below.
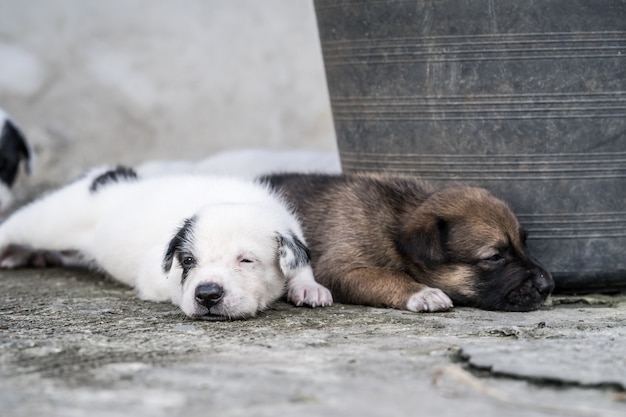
429 299
309 293
15 256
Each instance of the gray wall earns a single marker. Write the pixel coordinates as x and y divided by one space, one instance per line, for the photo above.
132 80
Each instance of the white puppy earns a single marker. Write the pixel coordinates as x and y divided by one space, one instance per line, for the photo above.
213 246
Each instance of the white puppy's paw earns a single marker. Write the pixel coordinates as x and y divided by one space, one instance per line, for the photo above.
309 293
429 299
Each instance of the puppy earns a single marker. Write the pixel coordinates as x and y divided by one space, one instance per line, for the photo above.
395 242
249 163
13 150
213 246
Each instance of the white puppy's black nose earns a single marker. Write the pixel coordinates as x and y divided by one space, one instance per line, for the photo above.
209 294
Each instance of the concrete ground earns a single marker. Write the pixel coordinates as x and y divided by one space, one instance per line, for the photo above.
74 343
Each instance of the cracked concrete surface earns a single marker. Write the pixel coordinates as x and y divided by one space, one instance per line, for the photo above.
74 343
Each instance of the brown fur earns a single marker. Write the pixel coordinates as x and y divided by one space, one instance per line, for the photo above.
378 240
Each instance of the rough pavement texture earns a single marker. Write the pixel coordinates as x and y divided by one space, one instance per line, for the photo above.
120 81
74 343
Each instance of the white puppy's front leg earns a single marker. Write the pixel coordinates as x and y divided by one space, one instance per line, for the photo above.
295 262
302 289
152 282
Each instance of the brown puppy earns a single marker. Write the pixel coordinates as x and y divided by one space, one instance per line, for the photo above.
396 242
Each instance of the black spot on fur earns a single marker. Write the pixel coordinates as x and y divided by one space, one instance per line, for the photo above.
117 174
179 246
13 149
292 248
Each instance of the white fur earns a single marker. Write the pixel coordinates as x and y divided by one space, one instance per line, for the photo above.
6 197
249 163
429 299
126 227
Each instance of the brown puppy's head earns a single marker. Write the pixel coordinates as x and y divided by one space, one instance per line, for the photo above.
470 245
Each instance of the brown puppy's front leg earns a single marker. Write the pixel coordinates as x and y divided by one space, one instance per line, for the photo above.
381 287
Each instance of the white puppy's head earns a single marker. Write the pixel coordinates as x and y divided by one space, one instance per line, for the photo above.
232 260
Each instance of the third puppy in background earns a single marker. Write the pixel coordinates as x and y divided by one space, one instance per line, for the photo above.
14 150
396 242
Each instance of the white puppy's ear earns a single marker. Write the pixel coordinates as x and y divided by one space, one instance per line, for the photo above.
293 254
180 241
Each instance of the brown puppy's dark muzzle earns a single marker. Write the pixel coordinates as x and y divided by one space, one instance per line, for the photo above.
532 292
543 282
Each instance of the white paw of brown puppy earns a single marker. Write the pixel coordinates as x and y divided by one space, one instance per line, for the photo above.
309 293
429 299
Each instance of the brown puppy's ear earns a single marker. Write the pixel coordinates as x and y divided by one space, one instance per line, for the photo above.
424 241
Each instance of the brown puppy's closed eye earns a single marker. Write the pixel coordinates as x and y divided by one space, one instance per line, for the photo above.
395 242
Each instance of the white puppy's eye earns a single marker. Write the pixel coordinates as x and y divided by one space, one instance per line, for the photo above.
188 261
246 259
